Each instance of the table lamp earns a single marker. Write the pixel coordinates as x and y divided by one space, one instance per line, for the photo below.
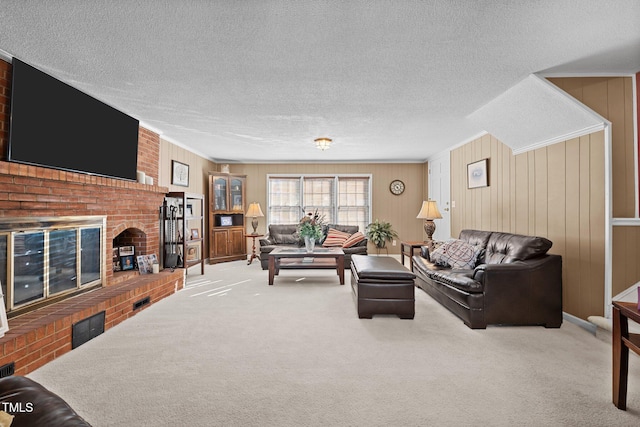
254 211
429 212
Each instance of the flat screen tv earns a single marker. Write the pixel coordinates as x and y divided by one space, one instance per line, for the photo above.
56 125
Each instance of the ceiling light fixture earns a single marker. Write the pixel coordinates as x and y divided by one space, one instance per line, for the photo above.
323 143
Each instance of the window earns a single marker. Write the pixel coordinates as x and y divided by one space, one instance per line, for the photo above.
342 199
285 201
318 195
45 258
353 203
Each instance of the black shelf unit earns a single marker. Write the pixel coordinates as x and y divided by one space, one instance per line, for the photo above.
190 228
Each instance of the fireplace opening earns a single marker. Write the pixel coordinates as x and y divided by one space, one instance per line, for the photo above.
126 247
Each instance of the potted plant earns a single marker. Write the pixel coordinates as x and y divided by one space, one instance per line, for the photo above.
380 232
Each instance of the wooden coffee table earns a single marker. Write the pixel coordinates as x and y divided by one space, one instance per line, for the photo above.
300 259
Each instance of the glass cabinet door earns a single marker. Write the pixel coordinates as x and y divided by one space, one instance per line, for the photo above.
236 195
220 194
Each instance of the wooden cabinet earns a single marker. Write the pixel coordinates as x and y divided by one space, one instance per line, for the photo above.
189 223
226 218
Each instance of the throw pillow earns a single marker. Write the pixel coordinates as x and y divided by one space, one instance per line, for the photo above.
335 238
456 254
353 240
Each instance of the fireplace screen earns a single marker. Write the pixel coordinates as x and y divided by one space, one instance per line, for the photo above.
28 267
90 255
49 261
63 264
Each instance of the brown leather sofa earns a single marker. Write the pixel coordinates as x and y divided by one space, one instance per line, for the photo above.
31 404
287 235
514 282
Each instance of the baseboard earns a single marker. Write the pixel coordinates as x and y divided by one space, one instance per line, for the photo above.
580 322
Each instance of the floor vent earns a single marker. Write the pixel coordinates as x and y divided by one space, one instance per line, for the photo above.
141 303
87 329
7 370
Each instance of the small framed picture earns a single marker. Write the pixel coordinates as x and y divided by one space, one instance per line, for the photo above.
226 221
143 266
478 174
115 259
193 252
180 173
126 250
195 233
127 262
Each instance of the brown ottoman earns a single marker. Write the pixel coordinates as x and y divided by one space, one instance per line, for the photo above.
381 285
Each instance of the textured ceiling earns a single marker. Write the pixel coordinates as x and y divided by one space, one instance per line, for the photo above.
257 81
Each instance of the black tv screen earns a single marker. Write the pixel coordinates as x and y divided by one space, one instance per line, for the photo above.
56 125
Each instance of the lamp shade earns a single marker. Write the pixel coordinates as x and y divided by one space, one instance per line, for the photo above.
254 210
429 210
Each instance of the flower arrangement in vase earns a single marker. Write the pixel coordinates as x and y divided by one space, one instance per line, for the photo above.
310 229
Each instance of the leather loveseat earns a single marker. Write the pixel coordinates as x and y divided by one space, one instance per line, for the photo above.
27 403
287 235
513 280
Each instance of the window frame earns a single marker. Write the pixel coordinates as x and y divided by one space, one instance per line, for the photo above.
335 192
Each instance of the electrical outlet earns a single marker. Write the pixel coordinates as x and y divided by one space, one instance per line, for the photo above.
394 243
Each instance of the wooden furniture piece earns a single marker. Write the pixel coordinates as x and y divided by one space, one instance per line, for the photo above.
622 342
226 218
407 248
190 227
300 259
253 247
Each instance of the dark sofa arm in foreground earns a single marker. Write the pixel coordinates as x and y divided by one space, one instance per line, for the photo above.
31 404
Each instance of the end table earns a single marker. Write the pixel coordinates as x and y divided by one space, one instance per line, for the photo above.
253 248
407 248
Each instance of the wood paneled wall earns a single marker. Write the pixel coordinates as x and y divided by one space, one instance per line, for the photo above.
612 98
626 253
199 168
556 192
400 210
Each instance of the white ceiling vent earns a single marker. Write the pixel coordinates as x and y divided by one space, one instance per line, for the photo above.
535 113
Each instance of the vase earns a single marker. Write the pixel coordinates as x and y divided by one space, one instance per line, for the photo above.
309 243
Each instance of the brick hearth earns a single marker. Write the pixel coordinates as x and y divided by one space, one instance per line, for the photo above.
40 336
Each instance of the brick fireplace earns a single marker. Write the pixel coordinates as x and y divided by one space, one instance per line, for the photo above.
132 215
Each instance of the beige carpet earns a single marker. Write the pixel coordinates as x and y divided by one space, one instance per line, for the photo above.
232 351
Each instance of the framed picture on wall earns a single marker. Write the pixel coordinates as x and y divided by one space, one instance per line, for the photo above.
179 173
478 174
